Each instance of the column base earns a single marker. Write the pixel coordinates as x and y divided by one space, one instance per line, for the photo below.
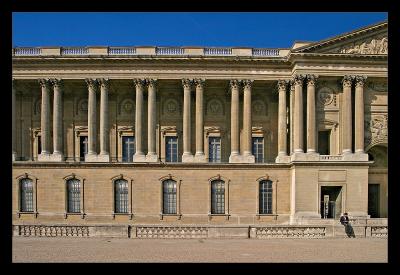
151 158
242 159
282 159
187 158
44 157
139 158
200 157
56 157
97 158
355 157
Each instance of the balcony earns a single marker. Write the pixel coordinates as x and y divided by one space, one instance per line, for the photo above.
169 51
121 51
27 51
74 51
217 51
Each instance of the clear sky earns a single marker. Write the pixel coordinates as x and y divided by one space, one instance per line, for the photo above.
217 29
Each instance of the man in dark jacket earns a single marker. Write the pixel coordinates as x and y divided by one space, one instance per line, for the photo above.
344 219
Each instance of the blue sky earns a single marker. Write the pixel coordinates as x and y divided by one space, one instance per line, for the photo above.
217 29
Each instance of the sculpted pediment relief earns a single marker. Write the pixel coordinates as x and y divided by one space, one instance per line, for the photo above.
370 40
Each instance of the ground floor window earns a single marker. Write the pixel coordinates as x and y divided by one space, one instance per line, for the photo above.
265 197
217 197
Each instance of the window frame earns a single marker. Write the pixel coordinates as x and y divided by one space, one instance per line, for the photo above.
124 131
213 131
82 196
34 180
260 208
177 149
80 131
174 193
226 181
169 131
220 149
263 147
130 194
274 196
178 214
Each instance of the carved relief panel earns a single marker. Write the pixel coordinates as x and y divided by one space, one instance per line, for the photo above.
171 107
375 127
214 107
259 108
127 108
372 45
326 98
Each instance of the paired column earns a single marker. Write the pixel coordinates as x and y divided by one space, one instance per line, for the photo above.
139 155
247 127
311 126
45 120
359 114
347 116
298 114
151 125
104 129
282 134
57 120
234 86
13 122
187 154
199 156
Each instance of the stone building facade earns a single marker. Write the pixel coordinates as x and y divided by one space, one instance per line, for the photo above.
201 142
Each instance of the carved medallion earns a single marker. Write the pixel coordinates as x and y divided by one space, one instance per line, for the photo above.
127 107
325 97
171 107
214 107
258 108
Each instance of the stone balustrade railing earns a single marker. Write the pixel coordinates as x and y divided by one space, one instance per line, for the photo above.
144 50
330 158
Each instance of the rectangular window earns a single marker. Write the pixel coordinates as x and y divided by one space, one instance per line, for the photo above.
169 197
26 195
214 149
83 142
121 196
258 149
74 196
217 197
265 197
128 148
323 142
171 154
39 145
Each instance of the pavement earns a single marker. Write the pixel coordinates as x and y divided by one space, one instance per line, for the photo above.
70 249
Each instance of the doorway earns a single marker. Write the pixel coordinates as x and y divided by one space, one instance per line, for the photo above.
331 202
373 200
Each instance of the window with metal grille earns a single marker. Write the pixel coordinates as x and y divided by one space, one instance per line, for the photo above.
217 197
258 149
26 189
128 148
169 197
265 197
121 196
214 149
74 196
171 154
83 142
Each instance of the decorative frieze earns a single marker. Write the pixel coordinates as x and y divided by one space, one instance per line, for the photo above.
369 46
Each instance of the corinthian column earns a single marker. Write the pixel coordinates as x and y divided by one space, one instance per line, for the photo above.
359 114
92 129
234 85
282 136
45 120
311 127
291 113
347 117
104 129
247 127
57 121
187 154
199 156
298 114
151 125
139 156
13 122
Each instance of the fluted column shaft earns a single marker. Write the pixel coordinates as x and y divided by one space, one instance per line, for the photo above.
92 129
45 116
347 116
104 129
291 115
13 122
234 84
151 116
282 135
186 116
359 114
57 117
139 83
298 114
247 117
311 127
199 117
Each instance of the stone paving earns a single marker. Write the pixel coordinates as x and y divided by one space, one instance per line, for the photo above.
43 249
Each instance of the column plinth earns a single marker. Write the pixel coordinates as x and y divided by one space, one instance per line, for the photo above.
139 156
151 117
45 120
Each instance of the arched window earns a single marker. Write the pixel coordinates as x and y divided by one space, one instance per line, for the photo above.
169 197
74 196
218 197
265 197
26 195
121 196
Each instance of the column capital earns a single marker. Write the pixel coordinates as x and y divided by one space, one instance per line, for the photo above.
247 83
282 84
298 79
44 82
57 82
139 82
199 82
360 80
104 82
311 79
347 80
151 82
291 84
234 83
91 83
187 83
